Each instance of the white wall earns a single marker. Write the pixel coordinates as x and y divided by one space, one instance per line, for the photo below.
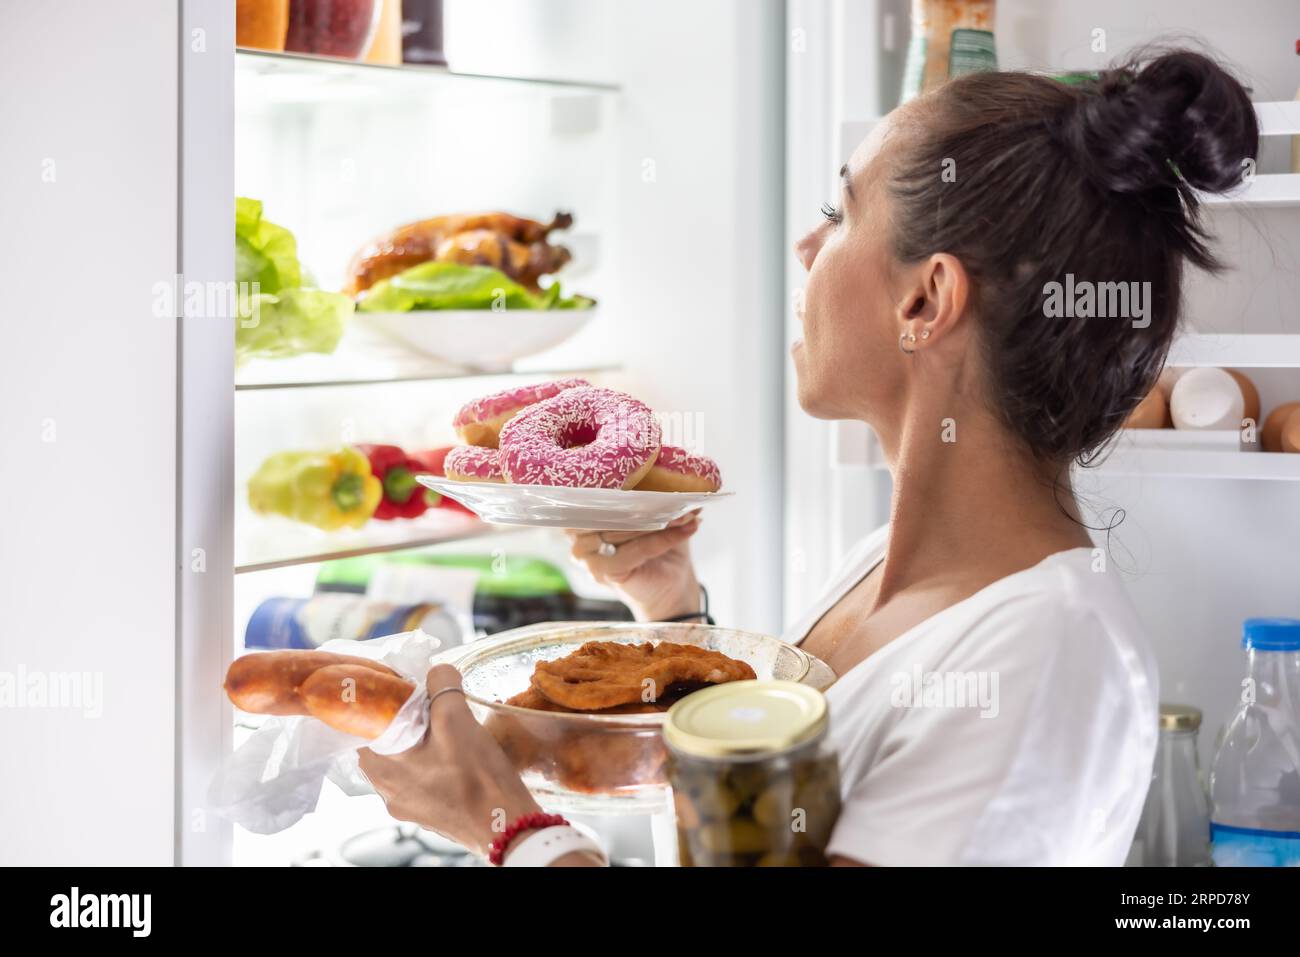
87 418
699 258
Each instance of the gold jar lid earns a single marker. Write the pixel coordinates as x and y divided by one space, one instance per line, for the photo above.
1179 717
746 718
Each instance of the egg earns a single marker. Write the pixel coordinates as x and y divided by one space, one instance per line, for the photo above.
1206 398
1291 433
1248 393
1168 376
1151 413
1271 434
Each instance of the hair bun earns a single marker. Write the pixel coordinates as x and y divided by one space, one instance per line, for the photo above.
1179 115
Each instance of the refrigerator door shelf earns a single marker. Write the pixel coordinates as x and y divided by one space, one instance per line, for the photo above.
1278 351
1270 189
1151 463
1198 440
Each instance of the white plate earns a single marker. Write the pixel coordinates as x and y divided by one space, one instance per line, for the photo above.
479 338
553 506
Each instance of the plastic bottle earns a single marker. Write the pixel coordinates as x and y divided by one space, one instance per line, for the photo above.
1175 826
1255 780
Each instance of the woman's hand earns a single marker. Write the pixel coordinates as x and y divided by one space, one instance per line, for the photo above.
457 781
651 571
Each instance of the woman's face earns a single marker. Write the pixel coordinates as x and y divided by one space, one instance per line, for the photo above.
848 360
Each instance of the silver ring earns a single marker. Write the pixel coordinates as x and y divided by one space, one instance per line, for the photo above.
441 691
607 549
906 338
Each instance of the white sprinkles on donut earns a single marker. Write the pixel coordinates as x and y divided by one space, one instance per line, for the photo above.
491 406
581 438
473 463
689 463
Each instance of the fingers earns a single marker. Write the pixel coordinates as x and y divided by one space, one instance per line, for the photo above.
450 708
442 676
632 555
584 544
586 541
374 767
446 710
368 761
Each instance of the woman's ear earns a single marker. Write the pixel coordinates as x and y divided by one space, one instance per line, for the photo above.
947 287
936 301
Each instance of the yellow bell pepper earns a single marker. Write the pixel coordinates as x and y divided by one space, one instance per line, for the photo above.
331 490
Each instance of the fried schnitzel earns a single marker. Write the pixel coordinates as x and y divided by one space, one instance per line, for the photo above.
606 678
602 675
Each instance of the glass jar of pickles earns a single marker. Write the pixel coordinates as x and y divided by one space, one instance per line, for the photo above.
754 780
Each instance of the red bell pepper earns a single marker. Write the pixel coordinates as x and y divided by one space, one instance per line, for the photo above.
431 461
404 497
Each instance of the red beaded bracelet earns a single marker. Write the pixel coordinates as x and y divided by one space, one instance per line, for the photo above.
526 822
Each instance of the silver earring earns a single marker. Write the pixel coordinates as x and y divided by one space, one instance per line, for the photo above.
905 338
925 333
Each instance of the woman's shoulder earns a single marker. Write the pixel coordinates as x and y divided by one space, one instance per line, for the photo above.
1036 696
1072 603
1058 636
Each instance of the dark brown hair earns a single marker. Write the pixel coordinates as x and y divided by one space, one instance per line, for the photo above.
1097 179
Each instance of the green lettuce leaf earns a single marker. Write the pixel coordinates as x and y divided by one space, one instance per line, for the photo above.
441 285
287 318
264 252
290 323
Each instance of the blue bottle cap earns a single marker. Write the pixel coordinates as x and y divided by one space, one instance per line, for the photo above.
1271 634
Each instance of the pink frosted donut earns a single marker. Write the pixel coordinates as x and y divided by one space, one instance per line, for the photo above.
676 470
473 463
479 422
581 438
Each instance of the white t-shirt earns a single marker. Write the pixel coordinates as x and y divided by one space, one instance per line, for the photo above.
1016 727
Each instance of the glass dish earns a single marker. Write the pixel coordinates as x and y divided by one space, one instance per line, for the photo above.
599 763
557 506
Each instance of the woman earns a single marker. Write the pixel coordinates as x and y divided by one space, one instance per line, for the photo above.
926 315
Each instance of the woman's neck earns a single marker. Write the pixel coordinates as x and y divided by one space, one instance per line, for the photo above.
969 506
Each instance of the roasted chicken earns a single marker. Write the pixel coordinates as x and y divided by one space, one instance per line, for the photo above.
518 247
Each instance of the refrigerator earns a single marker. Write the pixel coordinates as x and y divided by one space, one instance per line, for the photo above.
694 143
137 131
